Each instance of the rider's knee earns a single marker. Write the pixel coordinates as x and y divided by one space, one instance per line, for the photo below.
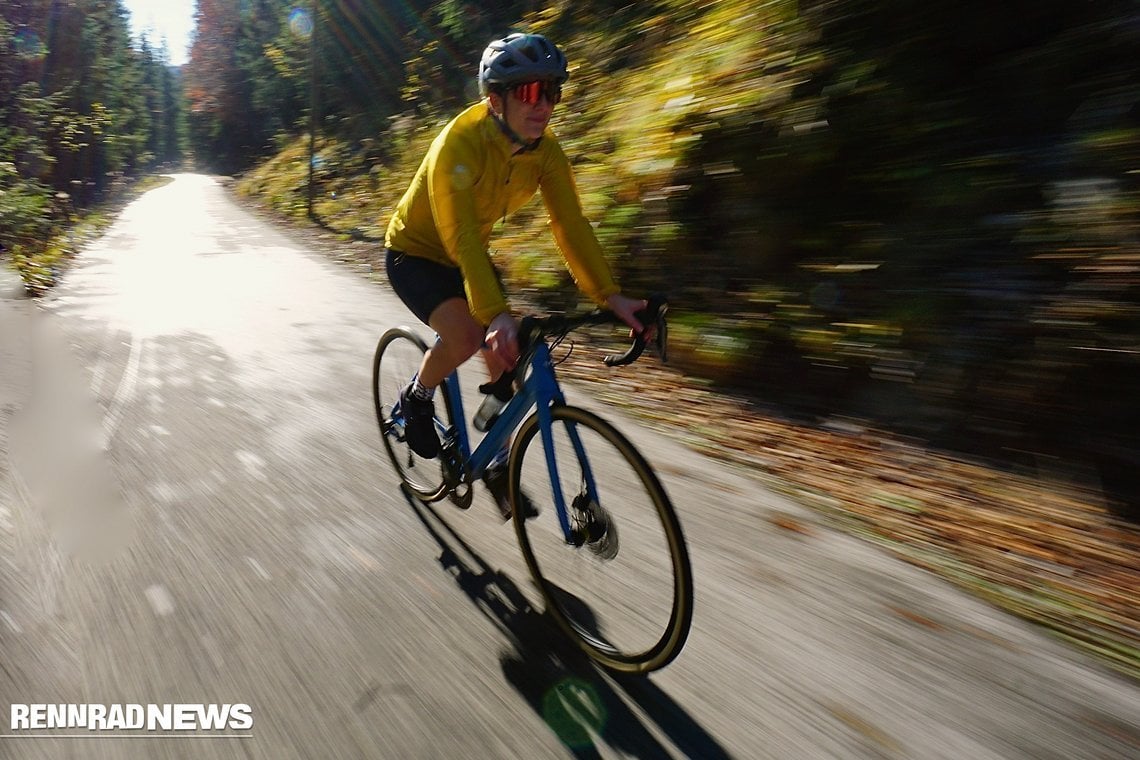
466 339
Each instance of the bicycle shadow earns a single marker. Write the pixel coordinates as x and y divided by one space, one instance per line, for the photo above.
581 704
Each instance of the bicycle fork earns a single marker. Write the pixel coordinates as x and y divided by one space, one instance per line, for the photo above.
578 519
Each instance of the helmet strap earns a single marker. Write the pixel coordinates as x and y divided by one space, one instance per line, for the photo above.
513 136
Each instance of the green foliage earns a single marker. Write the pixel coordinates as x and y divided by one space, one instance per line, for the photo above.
80 108
25 213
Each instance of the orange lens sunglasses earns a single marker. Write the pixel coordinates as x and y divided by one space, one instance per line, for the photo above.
530 92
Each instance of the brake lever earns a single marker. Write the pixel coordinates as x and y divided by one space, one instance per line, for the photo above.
654 312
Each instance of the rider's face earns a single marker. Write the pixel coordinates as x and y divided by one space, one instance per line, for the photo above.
527 120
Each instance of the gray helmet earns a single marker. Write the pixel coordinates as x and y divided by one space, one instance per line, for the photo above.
520 58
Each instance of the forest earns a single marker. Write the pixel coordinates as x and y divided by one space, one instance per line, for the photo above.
917 212
83 109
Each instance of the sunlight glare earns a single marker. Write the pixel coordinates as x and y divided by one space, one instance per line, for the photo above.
300 23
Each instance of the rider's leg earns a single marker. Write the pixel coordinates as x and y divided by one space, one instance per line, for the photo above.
460 336
494 371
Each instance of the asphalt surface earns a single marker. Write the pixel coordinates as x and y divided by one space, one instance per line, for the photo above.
195 508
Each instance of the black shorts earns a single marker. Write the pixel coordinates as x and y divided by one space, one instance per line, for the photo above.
422 284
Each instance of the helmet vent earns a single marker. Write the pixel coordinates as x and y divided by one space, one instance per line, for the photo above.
519 58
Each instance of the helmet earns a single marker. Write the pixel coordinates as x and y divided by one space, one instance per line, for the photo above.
520 58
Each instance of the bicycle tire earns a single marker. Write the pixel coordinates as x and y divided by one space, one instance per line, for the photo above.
602 442
397 359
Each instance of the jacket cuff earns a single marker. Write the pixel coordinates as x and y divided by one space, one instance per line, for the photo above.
486 312
599 297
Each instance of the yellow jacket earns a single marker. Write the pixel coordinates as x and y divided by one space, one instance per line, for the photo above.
468 181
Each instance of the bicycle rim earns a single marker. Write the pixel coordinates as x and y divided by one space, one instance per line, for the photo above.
629 602
397 359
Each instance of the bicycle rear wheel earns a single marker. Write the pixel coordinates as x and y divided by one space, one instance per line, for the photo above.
622 587
397 359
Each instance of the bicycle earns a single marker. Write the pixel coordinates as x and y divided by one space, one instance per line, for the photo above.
583 548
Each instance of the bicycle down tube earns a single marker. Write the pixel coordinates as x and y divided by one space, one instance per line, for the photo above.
540 390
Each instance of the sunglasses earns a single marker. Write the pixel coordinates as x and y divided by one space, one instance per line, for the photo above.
530 92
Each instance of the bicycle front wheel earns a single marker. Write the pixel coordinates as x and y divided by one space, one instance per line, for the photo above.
397 359
621 585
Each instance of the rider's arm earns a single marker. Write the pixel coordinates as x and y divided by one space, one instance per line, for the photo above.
452 168
575 236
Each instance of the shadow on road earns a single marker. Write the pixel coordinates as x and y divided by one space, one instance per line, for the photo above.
582 705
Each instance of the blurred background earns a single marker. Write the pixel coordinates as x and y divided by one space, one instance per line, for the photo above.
917 218
918 213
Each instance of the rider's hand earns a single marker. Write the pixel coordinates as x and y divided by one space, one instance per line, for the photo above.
625 308
503 341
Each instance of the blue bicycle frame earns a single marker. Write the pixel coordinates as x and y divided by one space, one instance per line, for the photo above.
539 389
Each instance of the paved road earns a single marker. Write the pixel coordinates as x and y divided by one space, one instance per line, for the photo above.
194 508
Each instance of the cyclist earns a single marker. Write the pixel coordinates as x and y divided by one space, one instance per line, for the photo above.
485 164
